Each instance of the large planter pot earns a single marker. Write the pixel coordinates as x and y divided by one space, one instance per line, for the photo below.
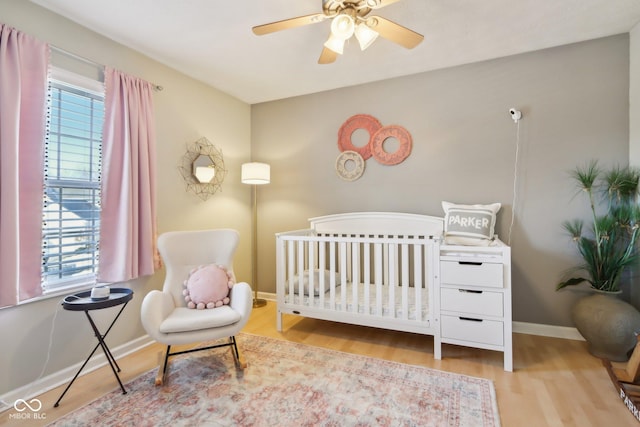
608 324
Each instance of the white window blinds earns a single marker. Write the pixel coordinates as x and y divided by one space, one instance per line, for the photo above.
73 151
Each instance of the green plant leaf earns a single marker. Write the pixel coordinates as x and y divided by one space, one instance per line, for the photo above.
609 245
571 282
586 176
574 228
621 185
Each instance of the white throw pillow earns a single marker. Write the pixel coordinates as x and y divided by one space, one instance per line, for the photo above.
472 225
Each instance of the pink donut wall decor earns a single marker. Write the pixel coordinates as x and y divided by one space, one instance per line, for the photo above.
353 123
350 162
393 131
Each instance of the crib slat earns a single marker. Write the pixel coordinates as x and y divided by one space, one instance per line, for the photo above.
417 280
367 278
290 264
348 266
332 275
428 259
343 275
355 275
378 277
393 271
311 269
300 270
405 281
322 266
385 264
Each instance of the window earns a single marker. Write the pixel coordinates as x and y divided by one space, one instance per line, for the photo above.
73 152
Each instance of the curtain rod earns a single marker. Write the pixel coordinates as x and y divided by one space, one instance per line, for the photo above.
156 87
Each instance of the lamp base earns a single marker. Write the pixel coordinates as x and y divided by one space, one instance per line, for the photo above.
257 302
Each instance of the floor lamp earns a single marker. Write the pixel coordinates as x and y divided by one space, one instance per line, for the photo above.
255 174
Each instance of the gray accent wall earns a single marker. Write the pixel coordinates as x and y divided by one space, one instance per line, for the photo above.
574 100
634 96
634 131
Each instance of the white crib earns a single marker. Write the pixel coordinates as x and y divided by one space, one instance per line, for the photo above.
392 271
370 268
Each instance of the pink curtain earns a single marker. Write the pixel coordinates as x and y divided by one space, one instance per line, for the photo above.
23 106
127 224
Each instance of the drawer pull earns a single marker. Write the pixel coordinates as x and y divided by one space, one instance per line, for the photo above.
470 319
469 291
469 263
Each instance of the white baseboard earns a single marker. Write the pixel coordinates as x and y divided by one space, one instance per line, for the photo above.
268 296
63 376
547 330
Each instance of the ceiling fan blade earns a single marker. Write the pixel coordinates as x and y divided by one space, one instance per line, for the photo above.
327 56
395 32
288 23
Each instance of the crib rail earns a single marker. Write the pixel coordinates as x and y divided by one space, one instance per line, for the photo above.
366 276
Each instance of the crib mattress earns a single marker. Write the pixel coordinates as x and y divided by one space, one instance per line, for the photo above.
385 308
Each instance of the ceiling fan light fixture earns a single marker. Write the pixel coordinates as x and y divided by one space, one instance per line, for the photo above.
342 26
365 35
334 43
349 18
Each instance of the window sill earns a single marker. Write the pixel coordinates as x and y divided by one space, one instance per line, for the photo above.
63 291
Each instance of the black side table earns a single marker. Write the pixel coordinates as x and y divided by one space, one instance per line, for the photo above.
83 302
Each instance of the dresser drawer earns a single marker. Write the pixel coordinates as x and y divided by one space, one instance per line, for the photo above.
473 330
472 301
471 273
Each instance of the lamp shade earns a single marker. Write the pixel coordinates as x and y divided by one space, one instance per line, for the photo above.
256 173
342 26
335 44
365 35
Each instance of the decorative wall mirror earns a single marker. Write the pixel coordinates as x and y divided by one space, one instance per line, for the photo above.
202 168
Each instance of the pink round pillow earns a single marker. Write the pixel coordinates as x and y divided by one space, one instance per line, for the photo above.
207 286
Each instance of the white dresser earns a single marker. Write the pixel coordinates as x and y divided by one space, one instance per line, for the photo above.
473 288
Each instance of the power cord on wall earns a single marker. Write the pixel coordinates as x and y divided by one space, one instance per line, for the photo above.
516 116
27 394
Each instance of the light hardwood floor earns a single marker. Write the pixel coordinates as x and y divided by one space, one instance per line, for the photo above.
555 382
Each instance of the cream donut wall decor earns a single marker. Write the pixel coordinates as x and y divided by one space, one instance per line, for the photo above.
351 160
350 165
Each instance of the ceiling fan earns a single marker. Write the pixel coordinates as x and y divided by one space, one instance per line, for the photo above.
349 17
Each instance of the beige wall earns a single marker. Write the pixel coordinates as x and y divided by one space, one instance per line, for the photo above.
574 100
186 110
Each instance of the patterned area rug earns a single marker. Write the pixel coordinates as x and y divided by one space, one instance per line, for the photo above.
290 384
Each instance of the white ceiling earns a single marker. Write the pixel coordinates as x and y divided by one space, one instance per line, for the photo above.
212 40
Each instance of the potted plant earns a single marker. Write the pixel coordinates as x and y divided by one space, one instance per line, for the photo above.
608 247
